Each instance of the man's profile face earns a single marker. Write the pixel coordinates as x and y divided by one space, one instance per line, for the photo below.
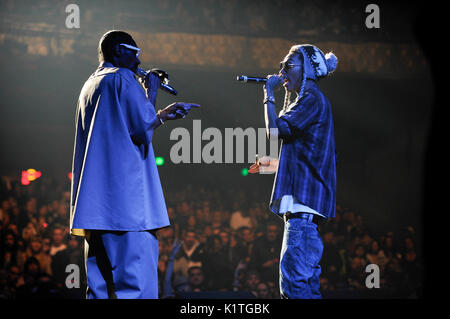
292 72
127 58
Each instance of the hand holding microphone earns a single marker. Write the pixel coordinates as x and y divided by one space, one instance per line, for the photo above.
155 78
271 82
151 82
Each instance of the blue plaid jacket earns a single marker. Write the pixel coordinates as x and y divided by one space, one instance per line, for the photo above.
307 163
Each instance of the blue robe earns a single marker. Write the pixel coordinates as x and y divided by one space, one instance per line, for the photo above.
115 181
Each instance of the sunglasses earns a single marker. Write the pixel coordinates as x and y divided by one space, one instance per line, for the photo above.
285 66
138 51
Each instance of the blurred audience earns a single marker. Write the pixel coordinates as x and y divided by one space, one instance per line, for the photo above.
218 241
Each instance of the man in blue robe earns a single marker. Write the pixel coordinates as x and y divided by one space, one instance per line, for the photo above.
304 190
117 201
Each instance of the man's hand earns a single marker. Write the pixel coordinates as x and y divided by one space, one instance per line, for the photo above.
265 165
264 161
151 82
176 110
273 82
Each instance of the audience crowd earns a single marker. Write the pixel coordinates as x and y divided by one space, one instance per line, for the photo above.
220 241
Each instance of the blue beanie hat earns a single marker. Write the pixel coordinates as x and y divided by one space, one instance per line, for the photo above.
316 65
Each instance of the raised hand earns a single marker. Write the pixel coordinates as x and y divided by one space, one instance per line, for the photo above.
176 110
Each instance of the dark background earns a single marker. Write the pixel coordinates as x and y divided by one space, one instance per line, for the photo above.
382 93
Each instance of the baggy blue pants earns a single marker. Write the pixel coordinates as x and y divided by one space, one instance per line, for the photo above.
301 252
122 265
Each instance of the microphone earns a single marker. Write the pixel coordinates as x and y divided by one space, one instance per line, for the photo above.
164 85
251 79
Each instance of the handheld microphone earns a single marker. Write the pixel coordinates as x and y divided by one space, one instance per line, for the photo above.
251 79
164 85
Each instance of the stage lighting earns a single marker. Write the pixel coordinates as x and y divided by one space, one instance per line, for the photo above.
159 160
30 175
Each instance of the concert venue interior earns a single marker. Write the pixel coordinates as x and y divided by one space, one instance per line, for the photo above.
382 97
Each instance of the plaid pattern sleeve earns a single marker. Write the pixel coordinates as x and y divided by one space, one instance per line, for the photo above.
298 117
307 163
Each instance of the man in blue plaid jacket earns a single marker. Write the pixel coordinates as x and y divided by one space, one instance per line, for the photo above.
304 190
